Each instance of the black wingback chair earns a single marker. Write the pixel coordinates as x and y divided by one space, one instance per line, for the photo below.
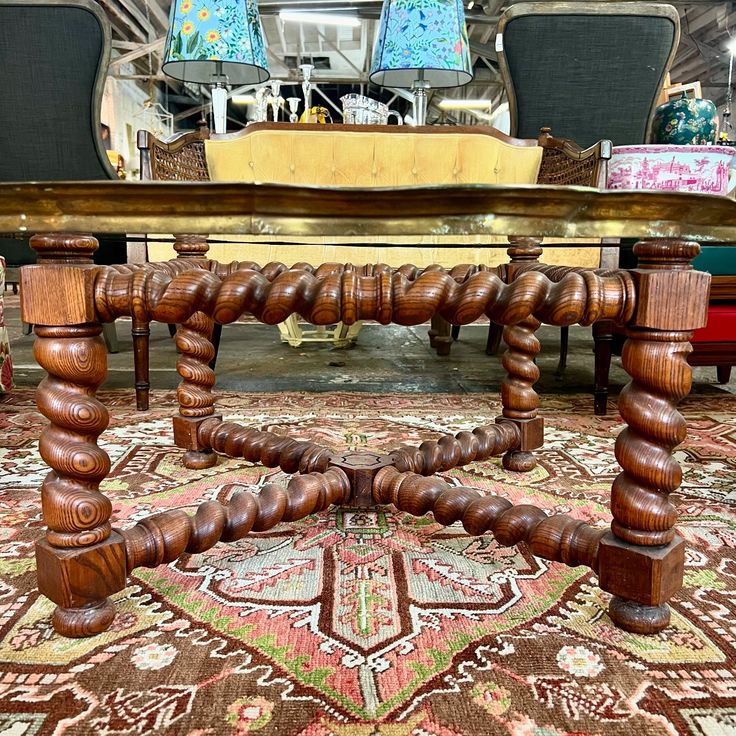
55 56
589 71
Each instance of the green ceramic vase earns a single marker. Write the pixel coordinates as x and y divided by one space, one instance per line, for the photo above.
685 122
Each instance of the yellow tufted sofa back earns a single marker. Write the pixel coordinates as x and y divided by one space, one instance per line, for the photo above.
333 156
370 159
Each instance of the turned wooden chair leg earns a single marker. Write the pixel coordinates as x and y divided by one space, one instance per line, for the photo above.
564 342
440 337
455 332
111 337
141 333
602 346
493 343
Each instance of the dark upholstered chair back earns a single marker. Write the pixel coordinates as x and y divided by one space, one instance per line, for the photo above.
54 58
587 70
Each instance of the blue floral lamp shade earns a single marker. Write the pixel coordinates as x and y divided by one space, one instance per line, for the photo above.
216 42
421 44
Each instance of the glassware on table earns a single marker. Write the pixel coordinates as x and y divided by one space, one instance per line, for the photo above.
261 105
361 110
307 70
275 101
293 103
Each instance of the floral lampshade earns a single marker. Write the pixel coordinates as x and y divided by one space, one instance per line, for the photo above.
211 38
422 39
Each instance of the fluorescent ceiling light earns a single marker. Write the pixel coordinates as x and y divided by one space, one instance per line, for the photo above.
326 19
731 45
464 104
243 99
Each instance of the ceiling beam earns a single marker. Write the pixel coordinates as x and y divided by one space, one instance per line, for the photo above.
134 32
138 52
337 50
156 10
144 22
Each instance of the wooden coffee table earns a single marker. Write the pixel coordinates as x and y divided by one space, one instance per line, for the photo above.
83 560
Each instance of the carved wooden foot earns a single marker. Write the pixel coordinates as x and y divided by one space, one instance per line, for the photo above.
198 455
521 459
78 623
195 460
642 580
519 462
79 580
638 618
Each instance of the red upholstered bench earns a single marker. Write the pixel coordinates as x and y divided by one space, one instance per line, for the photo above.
6 364
715 344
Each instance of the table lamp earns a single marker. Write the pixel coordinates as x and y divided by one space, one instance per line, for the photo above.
216 42
421 44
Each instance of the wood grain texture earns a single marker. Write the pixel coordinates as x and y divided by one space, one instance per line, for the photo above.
383 296
643 516
522 250
557 538
519 399
74 358
193 340
267 448
434 456
648 575
164 537
191 246
660 377
81 561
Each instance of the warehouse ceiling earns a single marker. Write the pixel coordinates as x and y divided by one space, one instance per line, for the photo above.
342 55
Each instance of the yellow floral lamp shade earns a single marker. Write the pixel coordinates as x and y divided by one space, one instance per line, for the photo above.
211 37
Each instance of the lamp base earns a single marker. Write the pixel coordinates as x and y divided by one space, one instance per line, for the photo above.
419 106
219 108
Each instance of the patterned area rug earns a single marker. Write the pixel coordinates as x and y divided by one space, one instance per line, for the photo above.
360 623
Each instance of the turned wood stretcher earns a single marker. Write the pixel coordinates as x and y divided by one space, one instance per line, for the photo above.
82 560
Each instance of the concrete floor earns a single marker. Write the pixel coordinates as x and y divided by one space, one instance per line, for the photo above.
385 359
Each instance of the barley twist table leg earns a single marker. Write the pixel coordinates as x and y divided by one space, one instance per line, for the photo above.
642 558
519 399
194 393
81 561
